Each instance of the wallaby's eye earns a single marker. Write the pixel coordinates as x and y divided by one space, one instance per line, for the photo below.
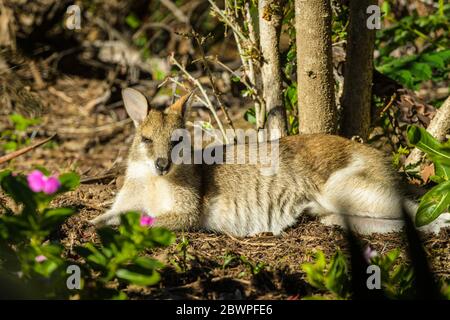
146 140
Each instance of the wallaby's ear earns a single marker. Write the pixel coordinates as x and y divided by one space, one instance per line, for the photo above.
135 104
180 105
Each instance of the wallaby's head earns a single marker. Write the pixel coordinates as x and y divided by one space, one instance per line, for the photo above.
152 145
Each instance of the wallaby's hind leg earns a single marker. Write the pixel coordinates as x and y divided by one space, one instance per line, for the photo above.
356 196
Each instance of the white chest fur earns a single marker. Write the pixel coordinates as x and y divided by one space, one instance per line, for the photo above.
150 193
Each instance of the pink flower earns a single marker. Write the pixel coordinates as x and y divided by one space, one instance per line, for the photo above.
38 182
52 185
147 221
369 253
40 258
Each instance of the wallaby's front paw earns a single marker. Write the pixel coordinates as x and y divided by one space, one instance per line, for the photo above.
106 219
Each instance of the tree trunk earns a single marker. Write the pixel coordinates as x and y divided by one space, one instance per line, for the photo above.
316 100
270 19
439 127
358 74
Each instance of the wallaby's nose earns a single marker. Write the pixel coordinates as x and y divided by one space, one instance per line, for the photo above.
162 164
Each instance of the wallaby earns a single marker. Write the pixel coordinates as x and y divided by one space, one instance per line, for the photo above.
341 181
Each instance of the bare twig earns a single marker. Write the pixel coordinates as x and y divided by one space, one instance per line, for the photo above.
270 18
391 102
182 85
40 84
175 10
257 244
22 151
260 109
248 49
208 102
211 80
153 25
60 94
90 180
251 88
96 101
228 20
174 90
96 129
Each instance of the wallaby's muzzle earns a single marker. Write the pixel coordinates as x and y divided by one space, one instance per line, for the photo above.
162 166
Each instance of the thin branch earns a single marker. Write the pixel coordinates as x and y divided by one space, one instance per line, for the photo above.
228 20
96 130
391 102
205 96
211 80
22 151
260 107
182 85
245 44
253 91
175 10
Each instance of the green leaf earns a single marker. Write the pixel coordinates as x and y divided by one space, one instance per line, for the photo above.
336 279
4 173
133 21
250 116
433 203
138 278
45 268
161 236
423 140
10 146
315 271
148 263
69 181
405 77
54 217
44 170
435 60
21 123
291 96
442 173
421 71
92 254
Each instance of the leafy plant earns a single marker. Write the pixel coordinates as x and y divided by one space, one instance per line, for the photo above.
437 200
228 259
334 278
412 70
181 263
26 251
30 254
118 256
255 268
425 38
17 137
397 279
